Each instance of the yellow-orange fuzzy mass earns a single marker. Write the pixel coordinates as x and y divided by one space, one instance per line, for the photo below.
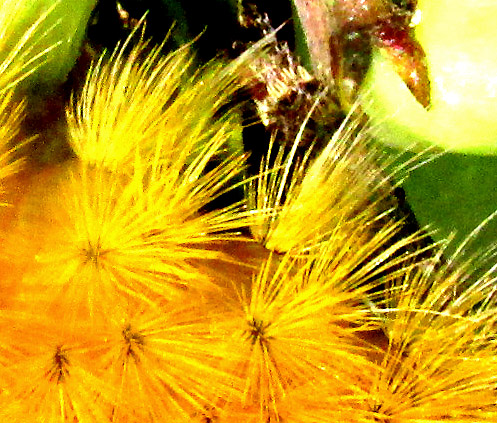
126 296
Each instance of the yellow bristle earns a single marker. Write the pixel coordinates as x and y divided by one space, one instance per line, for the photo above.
11 114
143 104
20 53
339 193
126 220
165 364
103 239
296 323
51 377
440 364
121 110
127 296
323 402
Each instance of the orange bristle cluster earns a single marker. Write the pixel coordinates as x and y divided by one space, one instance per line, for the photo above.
127 297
